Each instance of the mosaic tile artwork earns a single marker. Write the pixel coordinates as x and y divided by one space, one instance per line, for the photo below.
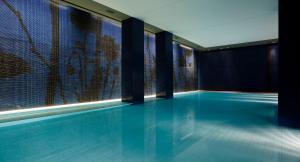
184 68
53 54
149 63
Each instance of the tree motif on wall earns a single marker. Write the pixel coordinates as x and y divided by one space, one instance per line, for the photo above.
53 65
12 65
106 46
82 69
111 50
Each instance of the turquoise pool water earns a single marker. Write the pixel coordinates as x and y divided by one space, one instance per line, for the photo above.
202 126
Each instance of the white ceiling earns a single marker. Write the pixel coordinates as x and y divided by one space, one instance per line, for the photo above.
208 23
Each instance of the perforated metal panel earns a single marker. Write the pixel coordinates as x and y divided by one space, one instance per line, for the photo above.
184 68
52 54
149 63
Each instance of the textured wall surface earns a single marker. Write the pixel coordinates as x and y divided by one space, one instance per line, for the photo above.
184 68
242 69
149 64
52 54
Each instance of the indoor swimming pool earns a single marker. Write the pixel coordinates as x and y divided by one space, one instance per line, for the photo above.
192 127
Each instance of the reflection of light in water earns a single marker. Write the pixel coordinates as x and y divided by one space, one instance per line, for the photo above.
257 98
184 125
267 96
189 126
240 92
249 100
253 98
264 141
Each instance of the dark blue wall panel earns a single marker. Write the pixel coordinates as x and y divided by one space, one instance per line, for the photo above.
240 69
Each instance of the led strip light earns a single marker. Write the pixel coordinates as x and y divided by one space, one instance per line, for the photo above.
58 107
179 93
93 103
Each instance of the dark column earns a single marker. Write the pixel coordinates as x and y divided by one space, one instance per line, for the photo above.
289 80
132 60
164 65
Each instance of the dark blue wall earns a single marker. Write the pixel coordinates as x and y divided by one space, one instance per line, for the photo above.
252 69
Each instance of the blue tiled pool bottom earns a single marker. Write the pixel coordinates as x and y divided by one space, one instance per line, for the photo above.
203 126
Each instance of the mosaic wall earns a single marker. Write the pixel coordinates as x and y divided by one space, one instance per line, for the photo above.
184 68
52 54
149 63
